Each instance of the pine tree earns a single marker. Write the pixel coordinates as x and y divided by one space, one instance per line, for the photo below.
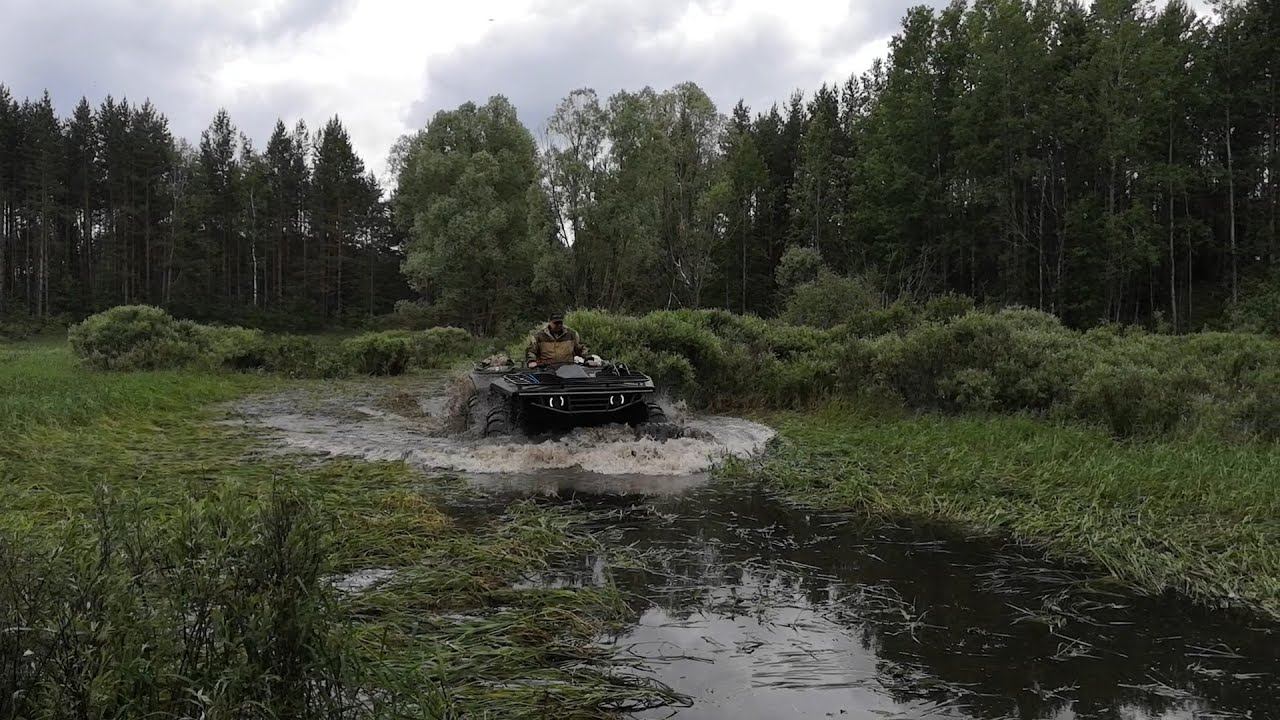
83 192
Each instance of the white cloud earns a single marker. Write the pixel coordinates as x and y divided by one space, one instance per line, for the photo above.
385 66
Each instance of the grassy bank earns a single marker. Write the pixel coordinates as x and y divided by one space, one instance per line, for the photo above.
1200 517
155 563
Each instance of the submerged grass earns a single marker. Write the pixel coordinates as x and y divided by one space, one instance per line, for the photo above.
1200 517
154 563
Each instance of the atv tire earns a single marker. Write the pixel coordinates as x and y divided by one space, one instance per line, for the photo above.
649 412
498 421
656 414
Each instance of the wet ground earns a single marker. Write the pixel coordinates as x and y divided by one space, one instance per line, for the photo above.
757 609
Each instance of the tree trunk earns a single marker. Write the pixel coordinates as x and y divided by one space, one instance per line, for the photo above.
4 246
1113 296
745 227
1231 214
253 243
146 244
1272 243
1173 262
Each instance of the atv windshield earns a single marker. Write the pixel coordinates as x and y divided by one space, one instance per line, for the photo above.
571 372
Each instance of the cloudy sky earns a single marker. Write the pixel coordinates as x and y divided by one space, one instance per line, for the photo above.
385 66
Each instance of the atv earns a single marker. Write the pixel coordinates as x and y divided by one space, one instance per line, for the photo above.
562 396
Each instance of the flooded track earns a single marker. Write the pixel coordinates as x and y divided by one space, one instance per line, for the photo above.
756 609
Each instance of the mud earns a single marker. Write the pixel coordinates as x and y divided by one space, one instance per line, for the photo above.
758 609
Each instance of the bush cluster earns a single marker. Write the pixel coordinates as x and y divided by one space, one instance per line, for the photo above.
22 327
140 337
948 356
1258 310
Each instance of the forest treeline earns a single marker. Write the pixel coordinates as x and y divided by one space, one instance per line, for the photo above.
1109 162
1105 162
107 208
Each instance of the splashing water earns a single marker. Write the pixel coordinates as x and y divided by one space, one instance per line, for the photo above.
378 423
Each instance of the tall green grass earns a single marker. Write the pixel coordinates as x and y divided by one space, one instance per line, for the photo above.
1197 516
43 386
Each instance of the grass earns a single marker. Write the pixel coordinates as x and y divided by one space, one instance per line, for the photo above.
1200 517
155 563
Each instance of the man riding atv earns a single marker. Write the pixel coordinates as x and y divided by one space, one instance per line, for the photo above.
561 388
555 344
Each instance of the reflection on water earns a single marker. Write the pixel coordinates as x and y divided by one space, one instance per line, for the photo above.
759 610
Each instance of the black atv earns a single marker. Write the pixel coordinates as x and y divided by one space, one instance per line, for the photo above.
562 396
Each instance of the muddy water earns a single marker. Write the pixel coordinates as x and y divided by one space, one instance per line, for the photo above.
756 609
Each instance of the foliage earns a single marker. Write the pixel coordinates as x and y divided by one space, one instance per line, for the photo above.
464 191
23 327
1134 180
134 337
798 266
146 338
395 351
408 315
947 307
1258 310
438 346
1129 399
1030 358
118 211
1133 382
383 353
829 300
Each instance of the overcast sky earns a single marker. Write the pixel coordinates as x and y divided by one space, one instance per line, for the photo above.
385 66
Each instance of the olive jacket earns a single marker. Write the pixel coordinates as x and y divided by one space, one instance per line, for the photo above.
547 347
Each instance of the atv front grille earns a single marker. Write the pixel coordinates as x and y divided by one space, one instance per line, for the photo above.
587 402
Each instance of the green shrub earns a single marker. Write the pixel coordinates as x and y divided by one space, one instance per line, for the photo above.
1258 310
1130 399
798 266
408 315
1260 408
439 346
141 337
947 307
291 355
378 353
1031 362
831 300
970 389
900 317
135 337
233 348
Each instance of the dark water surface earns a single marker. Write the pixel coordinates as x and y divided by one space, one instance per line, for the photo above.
760 610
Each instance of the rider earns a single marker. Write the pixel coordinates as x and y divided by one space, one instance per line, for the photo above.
555 344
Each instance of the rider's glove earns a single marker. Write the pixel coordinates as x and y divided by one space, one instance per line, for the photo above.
533 363
577 359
